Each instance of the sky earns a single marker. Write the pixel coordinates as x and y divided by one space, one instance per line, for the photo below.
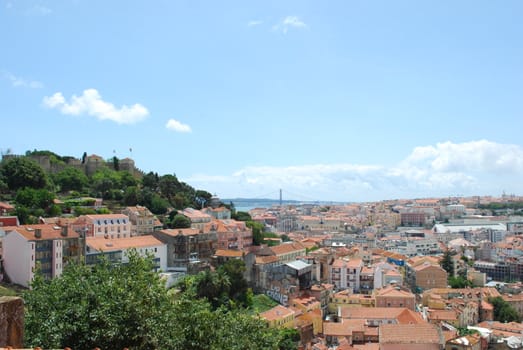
327 100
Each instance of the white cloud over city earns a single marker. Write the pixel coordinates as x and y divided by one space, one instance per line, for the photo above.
90 103
175 125
435 170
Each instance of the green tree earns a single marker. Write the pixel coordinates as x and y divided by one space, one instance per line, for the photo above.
34 198
447 263
22 172
158 205
257 231
202 198
290 338
116 163
459 282
111 307
169 185
127 179
234 270
503 311
127 305
103 181
150 181
213 286
71 179
242 216
130 196
180 221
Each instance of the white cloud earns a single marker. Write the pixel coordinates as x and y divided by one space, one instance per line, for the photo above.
254 23
289 22
471 156
22 82
177 126
91 103
470 168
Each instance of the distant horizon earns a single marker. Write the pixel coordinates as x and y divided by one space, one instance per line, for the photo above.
275 192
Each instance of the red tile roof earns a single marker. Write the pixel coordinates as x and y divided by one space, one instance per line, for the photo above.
227 253
102 244
286 248
409 334
47 232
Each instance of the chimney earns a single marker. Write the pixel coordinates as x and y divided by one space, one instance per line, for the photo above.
64 231
38 233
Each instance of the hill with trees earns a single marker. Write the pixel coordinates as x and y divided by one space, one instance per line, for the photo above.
62 185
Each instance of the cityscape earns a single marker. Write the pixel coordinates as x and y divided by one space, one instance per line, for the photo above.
442 273
271 175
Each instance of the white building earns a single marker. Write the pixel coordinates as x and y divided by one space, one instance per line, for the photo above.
46 247
116 250
345 274
143 222
112 226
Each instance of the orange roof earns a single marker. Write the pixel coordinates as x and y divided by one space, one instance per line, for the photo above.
393 291
47 232
102 244
401 314
286 248
336 329
195 214
277 313
409 334
181 231
443 315
227 253
426 266
261 260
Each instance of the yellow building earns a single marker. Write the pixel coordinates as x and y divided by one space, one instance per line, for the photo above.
311 309
348 299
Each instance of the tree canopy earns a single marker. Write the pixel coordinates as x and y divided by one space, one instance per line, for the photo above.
503 311
127 305
447 263
20 172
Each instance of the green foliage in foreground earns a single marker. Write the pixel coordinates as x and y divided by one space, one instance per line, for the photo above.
113 307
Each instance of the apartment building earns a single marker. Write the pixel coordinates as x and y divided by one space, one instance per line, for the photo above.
345 274
394 296
186 246
143 222
111 226
117 250
428 276
230 234
198 218
45 247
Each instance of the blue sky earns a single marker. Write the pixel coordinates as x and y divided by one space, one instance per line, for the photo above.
338 100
